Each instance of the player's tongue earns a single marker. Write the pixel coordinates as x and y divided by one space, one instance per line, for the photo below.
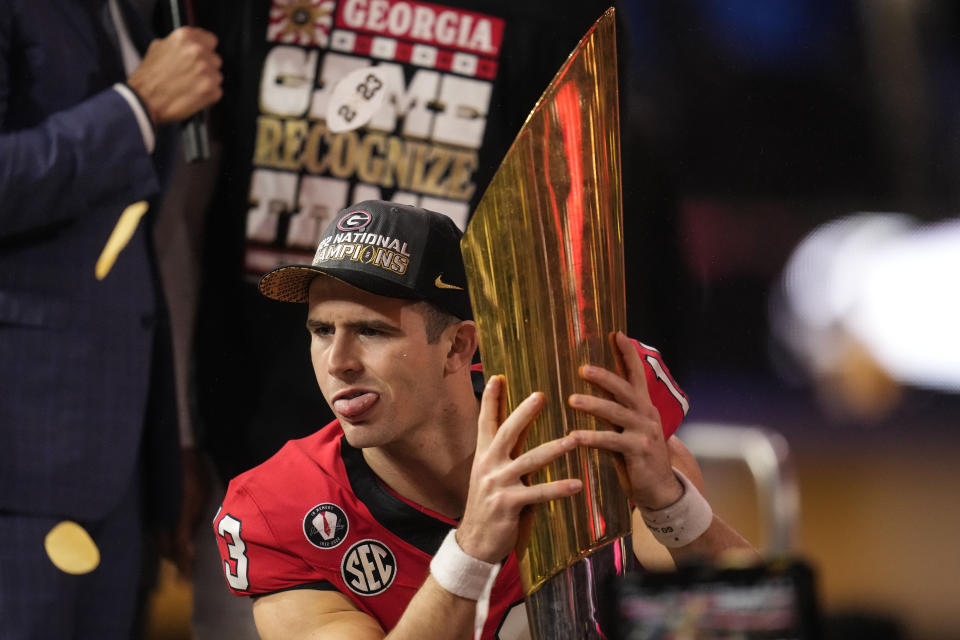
355 405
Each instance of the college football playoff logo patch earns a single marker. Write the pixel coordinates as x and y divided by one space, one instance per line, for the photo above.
325 526
368 567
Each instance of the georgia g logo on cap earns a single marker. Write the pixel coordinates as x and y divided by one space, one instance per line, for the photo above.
353 221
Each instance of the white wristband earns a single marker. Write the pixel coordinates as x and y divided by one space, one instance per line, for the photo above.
459 573
683 521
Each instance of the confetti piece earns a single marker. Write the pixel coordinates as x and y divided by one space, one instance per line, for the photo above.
119 237
71 549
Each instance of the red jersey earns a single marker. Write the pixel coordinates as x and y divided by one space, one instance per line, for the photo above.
316 516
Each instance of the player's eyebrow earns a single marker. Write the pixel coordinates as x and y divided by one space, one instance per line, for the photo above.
378 325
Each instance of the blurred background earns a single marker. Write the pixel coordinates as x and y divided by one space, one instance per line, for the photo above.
773 128
767 146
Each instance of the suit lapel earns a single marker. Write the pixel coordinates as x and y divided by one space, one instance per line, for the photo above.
85 16
139 31
77 13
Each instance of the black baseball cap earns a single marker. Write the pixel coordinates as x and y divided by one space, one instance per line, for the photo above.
385 248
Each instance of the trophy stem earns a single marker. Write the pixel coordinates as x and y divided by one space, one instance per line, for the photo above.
573 603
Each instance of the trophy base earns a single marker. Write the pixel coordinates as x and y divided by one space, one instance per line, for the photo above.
574 603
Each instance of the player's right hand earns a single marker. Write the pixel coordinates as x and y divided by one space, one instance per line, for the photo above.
497 495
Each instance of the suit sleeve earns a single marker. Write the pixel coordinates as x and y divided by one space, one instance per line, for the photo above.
671 402
71 161
253 560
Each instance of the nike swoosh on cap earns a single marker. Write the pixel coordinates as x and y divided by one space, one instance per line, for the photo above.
440 284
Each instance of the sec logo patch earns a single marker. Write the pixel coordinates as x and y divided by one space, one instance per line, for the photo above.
368 567
325 526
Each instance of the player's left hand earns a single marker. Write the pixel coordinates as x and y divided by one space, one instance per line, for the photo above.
637 433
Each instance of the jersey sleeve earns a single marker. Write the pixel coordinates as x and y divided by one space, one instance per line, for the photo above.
254 561
671 402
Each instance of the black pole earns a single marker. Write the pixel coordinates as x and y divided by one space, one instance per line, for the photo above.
196 144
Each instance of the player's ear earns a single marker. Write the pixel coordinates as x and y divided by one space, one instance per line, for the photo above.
462 338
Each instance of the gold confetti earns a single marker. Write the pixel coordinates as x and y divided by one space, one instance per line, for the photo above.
119 237
71 549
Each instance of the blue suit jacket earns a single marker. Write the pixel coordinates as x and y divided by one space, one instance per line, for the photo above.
76 354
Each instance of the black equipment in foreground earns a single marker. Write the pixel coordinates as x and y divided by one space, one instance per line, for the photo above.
771 601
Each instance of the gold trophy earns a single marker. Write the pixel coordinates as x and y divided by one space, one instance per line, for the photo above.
544 259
